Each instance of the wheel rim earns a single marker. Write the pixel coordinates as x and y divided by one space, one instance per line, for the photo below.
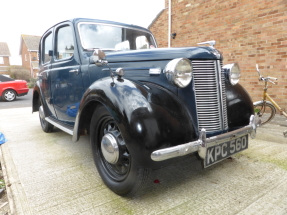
265 115
42 117
117 171
9 95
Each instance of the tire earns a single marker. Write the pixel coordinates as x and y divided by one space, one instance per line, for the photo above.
124 177
9 95
265 115
46 126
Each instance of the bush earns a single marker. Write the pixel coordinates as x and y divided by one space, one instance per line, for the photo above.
19 73
32 82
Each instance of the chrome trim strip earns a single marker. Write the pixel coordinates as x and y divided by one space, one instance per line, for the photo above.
63 128
219 92
223 96
203 143
219 81
155 71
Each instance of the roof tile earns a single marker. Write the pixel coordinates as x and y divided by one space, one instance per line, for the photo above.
31 41
4 49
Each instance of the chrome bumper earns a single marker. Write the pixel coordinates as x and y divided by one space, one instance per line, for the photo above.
203 143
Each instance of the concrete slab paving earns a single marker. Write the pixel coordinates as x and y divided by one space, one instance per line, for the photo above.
49 174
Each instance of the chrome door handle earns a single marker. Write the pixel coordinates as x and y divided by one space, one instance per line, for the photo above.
74 71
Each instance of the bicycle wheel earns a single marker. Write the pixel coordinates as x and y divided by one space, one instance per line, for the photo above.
266 111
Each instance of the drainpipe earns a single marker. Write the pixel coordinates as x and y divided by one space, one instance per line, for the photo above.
169 22
31 68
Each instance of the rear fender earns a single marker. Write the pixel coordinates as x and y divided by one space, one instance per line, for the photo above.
35 99
37 96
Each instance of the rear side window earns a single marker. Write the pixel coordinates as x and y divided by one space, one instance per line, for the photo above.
142 42
65 42
47 47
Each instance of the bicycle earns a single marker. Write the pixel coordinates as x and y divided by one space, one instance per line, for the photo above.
264 109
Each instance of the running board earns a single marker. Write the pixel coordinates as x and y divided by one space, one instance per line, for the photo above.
63 127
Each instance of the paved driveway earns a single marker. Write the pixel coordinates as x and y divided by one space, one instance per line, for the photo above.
49 174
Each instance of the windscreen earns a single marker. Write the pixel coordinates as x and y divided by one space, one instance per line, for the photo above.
114 37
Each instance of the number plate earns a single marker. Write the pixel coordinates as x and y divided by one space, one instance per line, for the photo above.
224 150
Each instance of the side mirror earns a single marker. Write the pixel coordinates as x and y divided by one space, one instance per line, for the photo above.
98 57
50 53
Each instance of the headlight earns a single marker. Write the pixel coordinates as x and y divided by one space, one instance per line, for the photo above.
179 72
232 72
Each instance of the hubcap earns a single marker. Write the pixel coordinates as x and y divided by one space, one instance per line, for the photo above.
110 148
9 95
41 112
113 151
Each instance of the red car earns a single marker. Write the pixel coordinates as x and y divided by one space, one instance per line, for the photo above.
10 88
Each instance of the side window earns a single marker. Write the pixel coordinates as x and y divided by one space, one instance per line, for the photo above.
47 46
125 45
65 43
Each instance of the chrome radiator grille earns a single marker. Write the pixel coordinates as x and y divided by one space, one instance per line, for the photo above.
209 86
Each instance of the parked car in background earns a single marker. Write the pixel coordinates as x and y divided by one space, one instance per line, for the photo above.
142 106
11 88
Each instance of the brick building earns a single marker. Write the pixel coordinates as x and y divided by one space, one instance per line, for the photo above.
4 57
29 52
247 32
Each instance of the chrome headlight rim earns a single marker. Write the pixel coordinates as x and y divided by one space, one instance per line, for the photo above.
232 71
179 75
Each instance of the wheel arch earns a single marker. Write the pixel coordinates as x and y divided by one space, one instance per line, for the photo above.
9 88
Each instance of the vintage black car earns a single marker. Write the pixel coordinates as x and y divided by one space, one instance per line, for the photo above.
142 106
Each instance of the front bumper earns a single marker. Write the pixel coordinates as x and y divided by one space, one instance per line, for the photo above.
203 143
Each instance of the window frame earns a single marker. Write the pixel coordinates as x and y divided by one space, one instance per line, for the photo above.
43 48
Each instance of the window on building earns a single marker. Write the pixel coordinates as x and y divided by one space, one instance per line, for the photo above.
47 49
65 42
25 57
1 60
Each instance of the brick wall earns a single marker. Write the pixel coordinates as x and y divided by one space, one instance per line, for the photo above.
246 31
6 63
27 57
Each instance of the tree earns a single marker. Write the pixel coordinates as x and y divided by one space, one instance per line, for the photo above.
19 72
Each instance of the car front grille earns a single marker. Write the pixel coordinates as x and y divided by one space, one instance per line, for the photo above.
209 86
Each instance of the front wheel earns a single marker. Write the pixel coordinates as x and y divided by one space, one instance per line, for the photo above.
265 111
113 160
9 95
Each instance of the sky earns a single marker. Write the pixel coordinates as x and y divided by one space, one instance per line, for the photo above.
34 17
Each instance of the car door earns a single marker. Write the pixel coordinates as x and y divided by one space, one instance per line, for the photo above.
66 79
46 50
